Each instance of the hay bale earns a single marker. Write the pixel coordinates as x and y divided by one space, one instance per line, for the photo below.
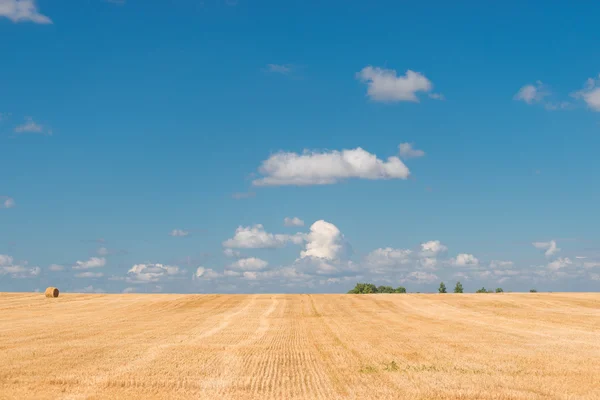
51 292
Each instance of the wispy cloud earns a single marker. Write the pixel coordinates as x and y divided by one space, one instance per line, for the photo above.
243 195
590 94
30 126
7 202
22 11
408 151
283 69
179 233
295 221
93 262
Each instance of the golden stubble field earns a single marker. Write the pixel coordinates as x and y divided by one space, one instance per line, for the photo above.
469 346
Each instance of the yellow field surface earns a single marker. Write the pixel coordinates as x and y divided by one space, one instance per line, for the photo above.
399 346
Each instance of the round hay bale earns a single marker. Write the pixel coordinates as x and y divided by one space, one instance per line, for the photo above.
51 292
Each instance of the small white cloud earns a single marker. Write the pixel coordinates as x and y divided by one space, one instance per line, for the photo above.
559 263
231 273
30 126
56 267
385 86
231 253
178 233
7 202
325 168
590 94
249 264
7 267
531 94
89 275
383 258
206 273
420 277
94 262
408 151
256 237
437 96
550 247
295 221
142 273
464 260
494 264
283 69
22 11
432 248
250 275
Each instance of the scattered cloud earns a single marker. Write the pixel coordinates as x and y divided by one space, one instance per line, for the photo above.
385 86
379 260
30 126
93 262
249 264
495 264
420 277
89 275
243 195
143 273
408 151
591 264
7 202
256 237
178 233
206 273
432 248
531 94
295 221
324 168
102 251
231 253
7 267
56 268
464 260
550 247
590 94
559 263
90 289
22 11
283 69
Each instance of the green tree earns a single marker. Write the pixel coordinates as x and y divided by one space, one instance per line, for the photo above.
482 290
532 291
499 290
458 288
400 289
385 289
442 288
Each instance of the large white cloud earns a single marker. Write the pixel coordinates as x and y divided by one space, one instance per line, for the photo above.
22 11
550 247
324 241
93 262
249 264
384 85
323 168
256 237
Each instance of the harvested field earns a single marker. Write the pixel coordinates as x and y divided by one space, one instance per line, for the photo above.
469 346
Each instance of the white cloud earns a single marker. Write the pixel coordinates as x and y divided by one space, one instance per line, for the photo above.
295 221
385 86
89 275
408 151
432 248
249 264
16 271
231 253
178 233
382 258
30 126
21 11
141 273
91 289
7 202
591 264
324 168
428 262
256 237
531 94
324 241
206 273
595 277
464 260
590 94
228 272
283 69
550 247
494 264
250 275
93 262
102 251
420 277
559 263
56 267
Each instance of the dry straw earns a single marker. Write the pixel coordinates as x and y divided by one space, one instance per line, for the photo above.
51 292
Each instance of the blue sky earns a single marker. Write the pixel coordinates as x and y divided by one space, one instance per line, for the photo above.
159 146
